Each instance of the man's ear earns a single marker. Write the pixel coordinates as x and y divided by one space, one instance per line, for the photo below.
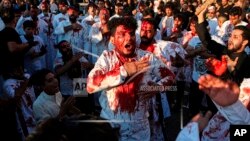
112 39
245 42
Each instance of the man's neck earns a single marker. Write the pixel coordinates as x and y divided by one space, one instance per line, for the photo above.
29 37
224 6
104 24
125 58
148 47
51 94
10 25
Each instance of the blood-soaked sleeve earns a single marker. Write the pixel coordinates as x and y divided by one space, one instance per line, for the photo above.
165 76
106 73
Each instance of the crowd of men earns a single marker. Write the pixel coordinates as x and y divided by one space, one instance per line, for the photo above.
137 58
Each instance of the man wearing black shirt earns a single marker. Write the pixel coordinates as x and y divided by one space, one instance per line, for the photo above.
224 8
237 60
11 49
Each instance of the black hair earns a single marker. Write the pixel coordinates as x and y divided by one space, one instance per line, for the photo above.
38 77
193 20
235 11
127 22
169 5
60 43
148 11
179 16
7 16
119 4
148 2
224 15
245 32
29 23
151 21
75 70
91 4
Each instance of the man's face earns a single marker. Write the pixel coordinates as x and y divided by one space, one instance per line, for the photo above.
33 12
118 10
235 41
100 4
6 4
66 49
63 8
192 28
104 16
92 11
184 7
124 41
234 19
141 8
182 2
73 18
29 31
177 22
211 14
44 7
147 33
221 20
51 84
169 12
224 2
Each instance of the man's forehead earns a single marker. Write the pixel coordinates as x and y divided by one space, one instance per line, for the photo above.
234 16
104 11
122 28
146 24
49 76
237 32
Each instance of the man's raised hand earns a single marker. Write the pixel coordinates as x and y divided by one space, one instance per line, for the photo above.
223 93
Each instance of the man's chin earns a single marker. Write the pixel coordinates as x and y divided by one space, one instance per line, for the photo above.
146 42
232 50
128 53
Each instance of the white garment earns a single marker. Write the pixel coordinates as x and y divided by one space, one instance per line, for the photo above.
189 133
59 18
87 44
108 63
138 32
2 25
47 106
33 64
19 24
247 50
218 126
237 113
9 87
156 4
48 39
66 83
165 50
212 23
227 28
98 42
75 38
166 23
115 16
53 7
199 64
138 16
